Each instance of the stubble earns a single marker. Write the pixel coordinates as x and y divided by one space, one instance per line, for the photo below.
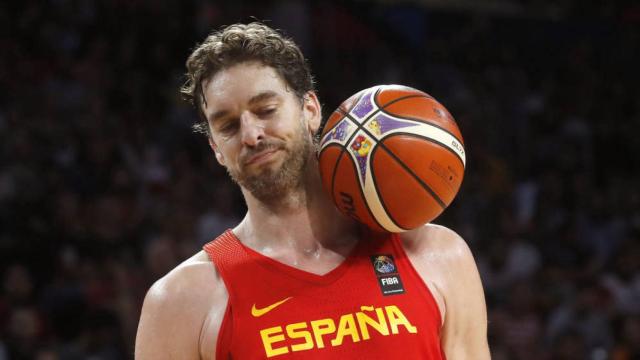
273 185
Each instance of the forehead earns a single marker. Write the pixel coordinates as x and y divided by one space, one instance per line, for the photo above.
236 85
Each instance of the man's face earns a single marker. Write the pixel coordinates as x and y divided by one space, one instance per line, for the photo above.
260 131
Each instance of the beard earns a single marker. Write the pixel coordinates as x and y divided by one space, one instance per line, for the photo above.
273 183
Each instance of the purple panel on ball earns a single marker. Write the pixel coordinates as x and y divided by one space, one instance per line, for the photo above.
362 164
361 146
364 106
387 124
338 132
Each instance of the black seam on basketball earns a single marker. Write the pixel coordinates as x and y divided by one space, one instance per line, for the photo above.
375 96
328 146
375 186
348 115
427 187
358 125
379 108
326 131
334 171
403 117
355 102
422 183
360 187
343 112
402 98
333 179
427 139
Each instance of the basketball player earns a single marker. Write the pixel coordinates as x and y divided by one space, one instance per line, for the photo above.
296 279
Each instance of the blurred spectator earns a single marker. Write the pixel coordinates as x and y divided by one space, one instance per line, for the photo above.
628 345
23 332
623 280
517 325
585 317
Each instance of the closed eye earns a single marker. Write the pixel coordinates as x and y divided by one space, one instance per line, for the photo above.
229 127
266 112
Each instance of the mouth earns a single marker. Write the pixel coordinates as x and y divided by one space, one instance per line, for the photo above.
261 157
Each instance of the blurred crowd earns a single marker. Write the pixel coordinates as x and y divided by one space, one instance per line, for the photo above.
104 188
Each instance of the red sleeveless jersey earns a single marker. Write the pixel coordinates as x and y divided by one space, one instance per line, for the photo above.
372 306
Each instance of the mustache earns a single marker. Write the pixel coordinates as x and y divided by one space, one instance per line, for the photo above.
262 146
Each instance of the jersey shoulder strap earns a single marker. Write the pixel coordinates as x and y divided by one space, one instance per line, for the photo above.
227 255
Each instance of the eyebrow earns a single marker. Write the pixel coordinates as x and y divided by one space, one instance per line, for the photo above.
265 95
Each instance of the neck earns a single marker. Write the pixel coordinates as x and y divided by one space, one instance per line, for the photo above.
304 222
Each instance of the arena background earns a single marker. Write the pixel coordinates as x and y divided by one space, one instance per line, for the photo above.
104 188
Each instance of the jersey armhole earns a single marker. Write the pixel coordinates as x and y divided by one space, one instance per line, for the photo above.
397 245
225 254
223 343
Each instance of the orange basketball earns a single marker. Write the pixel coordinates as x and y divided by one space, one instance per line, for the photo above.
392 157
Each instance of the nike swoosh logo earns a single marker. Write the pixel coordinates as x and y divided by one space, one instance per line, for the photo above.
259 312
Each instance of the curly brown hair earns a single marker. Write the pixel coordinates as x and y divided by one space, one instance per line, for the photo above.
238 43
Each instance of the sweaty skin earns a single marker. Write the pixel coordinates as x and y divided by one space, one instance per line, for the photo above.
183 311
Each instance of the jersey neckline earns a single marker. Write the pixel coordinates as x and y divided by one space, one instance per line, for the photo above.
271 264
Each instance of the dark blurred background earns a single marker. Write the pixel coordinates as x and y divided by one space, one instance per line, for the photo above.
104 188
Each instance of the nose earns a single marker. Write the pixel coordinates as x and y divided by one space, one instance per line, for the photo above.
251 128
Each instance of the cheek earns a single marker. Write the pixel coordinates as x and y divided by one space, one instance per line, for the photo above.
296 128
225 152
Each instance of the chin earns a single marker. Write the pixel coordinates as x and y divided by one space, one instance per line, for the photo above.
274 183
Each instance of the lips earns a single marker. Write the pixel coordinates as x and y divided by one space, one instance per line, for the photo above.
261 156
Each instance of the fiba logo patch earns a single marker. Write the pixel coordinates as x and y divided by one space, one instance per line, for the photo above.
387 273
384 264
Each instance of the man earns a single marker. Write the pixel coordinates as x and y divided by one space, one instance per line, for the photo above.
296 279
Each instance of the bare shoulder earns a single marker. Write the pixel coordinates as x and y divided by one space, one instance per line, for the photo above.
439 255
194 278
436 241
445 263
442 258
182 312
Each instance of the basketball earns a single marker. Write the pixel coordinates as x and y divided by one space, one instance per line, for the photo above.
392 158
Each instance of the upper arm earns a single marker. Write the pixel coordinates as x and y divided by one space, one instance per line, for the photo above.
464 334
165 330
182 313
443 258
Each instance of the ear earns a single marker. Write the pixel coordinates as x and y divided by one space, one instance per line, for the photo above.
216 151
312 111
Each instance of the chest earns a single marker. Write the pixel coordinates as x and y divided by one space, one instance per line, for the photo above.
373 304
